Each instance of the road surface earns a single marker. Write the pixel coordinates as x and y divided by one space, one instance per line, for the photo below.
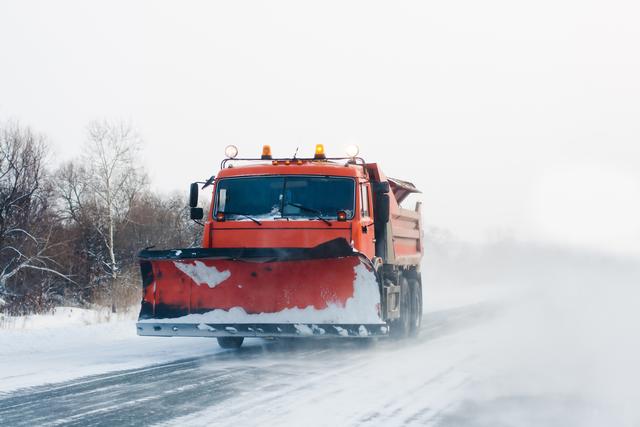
474 364
267 381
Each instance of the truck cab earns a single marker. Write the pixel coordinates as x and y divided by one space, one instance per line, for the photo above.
301 203
291 205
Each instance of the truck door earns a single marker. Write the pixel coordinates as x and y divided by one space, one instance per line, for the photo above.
364 232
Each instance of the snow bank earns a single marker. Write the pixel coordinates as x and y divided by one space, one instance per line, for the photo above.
361 308
61 317
39 355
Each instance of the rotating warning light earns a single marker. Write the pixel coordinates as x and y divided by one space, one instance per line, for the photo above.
231 151
266 152
352 150
319 152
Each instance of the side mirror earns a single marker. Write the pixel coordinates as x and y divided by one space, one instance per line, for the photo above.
382 208
193 195
197 213
381 187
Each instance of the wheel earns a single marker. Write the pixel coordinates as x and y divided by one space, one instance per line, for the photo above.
416 307
230 342
400 327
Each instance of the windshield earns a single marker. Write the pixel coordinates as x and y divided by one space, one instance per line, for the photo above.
285 196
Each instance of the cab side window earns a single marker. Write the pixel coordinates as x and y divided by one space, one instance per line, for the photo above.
364 198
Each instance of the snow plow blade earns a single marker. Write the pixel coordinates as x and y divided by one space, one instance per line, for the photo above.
325 291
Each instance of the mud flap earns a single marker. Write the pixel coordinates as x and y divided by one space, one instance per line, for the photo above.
325 290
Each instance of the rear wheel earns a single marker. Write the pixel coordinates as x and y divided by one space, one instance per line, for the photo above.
230 342
401 326
416 307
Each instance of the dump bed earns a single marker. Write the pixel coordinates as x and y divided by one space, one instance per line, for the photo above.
399 241
405 224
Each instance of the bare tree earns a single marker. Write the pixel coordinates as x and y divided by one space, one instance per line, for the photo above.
25 216
72 237
169 225
84 253
99 191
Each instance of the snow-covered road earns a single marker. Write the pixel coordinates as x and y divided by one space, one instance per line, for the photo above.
270 383
560 349
438 379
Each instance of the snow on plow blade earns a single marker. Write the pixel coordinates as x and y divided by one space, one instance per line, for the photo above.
328 290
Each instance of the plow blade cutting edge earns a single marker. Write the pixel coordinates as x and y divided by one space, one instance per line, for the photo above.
325 291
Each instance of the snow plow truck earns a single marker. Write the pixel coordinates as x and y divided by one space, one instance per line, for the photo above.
292 247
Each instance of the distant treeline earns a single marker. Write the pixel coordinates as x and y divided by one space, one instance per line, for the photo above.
70 235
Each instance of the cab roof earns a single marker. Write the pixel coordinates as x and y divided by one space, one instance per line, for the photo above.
292 167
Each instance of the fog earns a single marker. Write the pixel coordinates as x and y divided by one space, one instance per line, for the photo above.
524 115
518 121
559 345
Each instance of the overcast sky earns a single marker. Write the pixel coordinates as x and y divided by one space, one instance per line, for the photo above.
514 118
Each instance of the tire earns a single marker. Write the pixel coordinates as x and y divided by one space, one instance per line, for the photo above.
416 307
400 327
230 342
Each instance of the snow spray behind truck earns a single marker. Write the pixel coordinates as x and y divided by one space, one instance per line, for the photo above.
292 247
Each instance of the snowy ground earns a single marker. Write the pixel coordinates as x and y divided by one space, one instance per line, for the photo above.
73 343
557 347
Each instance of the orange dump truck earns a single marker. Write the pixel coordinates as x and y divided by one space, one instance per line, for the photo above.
295 247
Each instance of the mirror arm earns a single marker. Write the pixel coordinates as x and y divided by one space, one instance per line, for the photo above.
207 182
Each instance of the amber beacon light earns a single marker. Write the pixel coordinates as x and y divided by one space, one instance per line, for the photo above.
319 152
266 152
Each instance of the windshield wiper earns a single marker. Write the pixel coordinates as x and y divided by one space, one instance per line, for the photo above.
314 211
243 215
